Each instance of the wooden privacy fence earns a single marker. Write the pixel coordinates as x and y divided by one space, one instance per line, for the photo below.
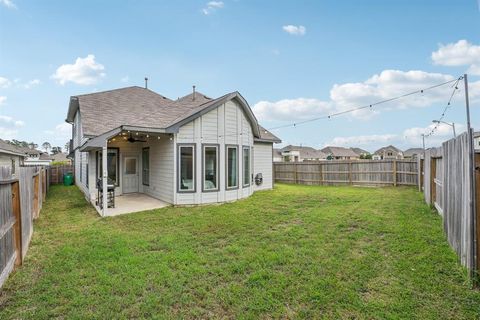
56 173
447 185
339 172
21 198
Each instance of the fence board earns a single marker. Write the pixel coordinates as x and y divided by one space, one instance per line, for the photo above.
364 172
7 223
457 196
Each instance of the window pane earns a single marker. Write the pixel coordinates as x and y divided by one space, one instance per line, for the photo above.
112 156
210 168
112 166
232 174
246 166
186 169
130 166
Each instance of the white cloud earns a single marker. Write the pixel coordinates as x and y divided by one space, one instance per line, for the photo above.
212 6
295 30
290 109
387 84
61 132
442 133
8 3
84 71
461 53
9 127
125 79
31 83
4 82
2 100
11 121
363 141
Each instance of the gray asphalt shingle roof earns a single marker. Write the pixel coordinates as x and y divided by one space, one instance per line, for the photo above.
10 148
339 151
306 152
136 106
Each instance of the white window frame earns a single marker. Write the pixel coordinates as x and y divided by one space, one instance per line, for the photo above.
231 146
194 171
217 169
249 166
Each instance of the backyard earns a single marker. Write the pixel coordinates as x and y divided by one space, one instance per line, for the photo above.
293 252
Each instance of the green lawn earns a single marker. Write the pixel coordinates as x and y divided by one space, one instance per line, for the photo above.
294 252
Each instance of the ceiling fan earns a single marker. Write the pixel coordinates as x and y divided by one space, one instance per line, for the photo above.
132 139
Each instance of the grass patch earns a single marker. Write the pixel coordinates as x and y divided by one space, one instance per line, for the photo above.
293 252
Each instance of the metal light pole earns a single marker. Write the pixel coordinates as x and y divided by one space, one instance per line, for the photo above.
447 123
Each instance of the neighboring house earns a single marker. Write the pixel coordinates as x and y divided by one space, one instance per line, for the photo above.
61 158
413 153
36 158
360 152
277 155
193 150
340 153
11 156
299 154
388 152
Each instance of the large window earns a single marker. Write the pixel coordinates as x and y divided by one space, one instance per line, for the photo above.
186 168
146 166
210 167
246 166
112 165
232 167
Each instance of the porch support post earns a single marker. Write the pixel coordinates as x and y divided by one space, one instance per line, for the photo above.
104 179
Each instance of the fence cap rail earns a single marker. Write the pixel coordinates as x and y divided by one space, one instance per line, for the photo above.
8 181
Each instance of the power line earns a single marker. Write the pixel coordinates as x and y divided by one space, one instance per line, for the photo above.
447 106
294 124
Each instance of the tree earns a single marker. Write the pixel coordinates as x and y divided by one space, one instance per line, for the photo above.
33 145
56 150
46 146
67 147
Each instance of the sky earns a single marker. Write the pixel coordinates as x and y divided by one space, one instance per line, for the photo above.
291 60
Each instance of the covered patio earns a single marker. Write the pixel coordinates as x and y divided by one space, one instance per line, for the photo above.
134 202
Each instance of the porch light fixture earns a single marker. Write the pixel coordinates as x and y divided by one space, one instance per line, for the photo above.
136 133
158 137
148 136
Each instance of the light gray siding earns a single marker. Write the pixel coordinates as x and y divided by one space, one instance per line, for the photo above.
263 164
225 125
161 169
6 160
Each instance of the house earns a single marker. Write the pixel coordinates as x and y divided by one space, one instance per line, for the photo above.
299 154
413 153
340 153
36 158
11 156
277 155
388 152
152 151
60 158
362 153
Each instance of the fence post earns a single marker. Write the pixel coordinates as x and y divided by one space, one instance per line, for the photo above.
295 177
18 221
477 211
394 173
350 172
320 174
433 173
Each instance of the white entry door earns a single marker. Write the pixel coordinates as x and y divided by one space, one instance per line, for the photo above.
130 174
